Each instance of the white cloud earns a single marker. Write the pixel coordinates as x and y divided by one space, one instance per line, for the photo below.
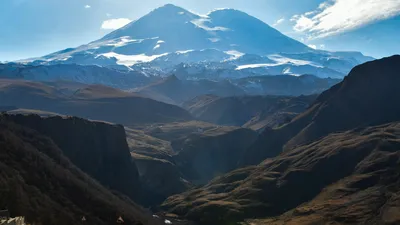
281 20
88 6
114 24
322 46
303 23
108 14
338 16
309 13
312 46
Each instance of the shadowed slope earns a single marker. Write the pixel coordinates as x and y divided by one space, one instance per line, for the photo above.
367 96
250 111
37 181
99 149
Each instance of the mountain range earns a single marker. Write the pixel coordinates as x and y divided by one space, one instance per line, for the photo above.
225 43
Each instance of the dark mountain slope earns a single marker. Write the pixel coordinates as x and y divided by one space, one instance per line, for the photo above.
252 111
357 172
99 149
91 102
37 181
367 96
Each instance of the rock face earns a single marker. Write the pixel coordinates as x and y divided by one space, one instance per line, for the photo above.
159 175
204 156
193 156
333 164
99 149
37 181
255 112
366 97
160 178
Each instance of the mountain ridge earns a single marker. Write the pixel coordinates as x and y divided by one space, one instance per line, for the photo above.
347 105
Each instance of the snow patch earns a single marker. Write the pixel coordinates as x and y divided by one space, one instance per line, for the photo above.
235 54
280 60
130 60
218 9
252 66
119 42
286 71
184 52
201 23
214 39
65 58
158 45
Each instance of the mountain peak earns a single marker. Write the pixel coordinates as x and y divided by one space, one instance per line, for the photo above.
170 8
172 78
227 11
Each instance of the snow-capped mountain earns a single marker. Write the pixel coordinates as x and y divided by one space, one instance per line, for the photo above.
225 41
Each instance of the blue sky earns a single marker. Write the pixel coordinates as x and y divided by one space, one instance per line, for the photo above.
31 28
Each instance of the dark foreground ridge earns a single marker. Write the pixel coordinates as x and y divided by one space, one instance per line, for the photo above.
99 149
40 183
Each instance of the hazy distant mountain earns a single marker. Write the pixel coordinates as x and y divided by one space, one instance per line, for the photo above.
285 85
94 102
176 91
170 35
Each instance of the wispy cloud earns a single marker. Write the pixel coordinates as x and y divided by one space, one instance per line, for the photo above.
114 24
88 6
338 16
281 20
